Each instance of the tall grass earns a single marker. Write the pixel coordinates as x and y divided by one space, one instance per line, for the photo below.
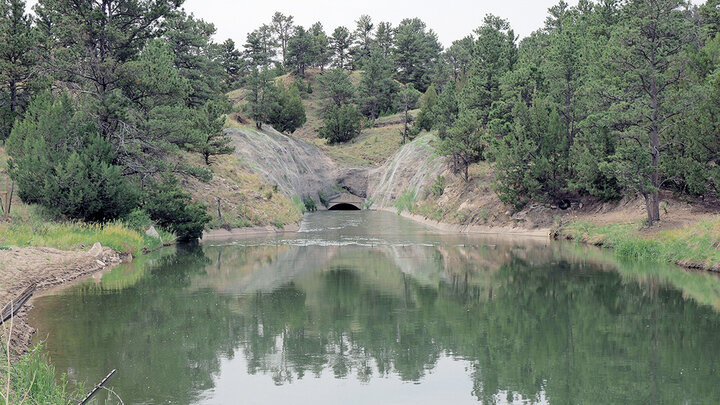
694 246
32 381
406 201
73 235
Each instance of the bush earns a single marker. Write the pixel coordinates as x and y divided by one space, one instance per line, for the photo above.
438 187
173 209
310 205
138 220
288 113
341 124
60 161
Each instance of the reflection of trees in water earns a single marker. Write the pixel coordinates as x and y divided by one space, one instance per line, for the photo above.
530 321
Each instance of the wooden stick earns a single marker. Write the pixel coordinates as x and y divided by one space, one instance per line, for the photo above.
97 388
12 307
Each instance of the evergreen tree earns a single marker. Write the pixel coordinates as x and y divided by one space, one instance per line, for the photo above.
494 55
337 86
385 38
416 50
208 137
173 209
287 112
407 100
341 41
426 117
364 41
61 162
648 65
459 55
321 46
377 89
19 60
341 124
300 51
190 40
282 27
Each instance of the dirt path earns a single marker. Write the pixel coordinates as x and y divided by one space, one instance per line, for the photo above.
46 267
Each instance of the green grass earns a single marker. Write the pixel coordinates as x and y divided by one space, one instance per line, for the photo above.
74 235
406 201
32 381
694 246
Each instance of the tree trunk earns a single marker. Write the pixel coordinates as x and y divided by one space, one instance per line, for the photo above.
652 201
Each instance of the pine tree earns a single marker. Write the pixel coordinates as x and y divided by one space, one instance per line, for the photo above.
337 86
377 89
282 27
341 41
208 136
341 124
18 63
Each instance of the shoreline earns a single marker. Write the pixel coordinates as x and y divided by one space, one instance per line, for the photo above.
47 268
250 231
472 229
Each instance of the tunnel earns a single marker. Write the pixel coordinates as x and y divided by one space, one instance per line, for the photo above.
344 207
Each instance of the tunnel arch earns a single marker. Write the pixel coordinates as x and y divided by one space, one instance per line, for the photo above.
344 207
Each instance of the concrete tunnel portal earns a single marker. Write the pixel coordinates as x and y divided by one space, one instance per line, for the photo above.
345 202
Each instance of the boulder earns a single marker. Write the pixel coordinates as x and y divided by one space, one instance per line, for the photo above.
152 232
96 250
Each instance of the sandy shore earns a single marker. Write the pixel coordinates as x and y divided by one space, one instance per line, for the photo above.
45 267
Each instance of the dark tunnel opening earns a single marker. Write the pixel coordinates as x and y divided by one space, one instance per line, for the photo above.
344 207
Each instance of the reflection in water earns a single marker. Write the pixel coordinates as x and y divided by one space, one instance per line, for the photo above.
368 307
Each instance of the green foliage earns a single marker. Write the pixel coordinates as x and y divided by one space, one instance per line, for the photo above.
173 209
32 379
416 52
20 77
531 161
323 198
691 246
309 204
287 113
341 124
208 137
73 235
463 143
60 162
426 118
438 186
138 220
406 201
377 90
337 86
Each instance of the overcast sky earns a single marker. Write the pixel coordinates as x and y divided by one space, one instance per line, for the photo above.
450 19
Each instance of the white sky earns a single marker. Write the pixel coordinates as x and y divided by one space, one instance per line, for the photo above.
450 19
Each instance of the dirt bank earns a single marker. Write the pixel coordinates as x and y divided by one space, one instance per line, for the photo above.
474 229
222 233
46 267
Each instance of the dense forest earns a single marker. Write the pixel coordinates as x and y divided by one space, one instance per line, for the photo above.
100 99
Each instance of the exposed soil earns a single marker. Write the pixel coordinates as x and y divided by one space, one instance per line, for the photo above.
46 267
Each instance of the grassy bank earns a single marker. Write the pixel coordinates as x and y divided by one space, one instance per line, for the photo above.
695 246
32 380
74 235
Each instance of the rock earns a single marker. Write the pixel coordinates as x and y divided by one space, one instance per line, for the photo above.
152 232
96 250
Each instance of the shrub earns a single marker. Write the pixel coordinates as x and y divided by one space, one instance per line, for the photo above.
438 187
310 205
288 113
341 124
60 161
174 209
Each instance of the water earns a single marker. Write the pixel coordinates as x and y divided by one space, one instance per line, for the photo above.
367 307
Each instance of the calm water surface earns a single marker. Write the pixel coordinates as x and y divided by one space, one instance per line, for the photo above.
367 307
